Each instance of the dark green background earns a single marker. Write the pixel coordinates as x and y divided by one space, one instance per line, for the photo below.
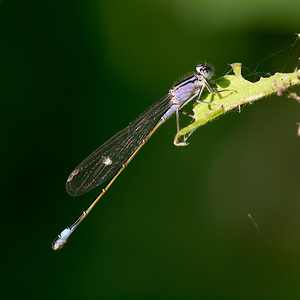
175 224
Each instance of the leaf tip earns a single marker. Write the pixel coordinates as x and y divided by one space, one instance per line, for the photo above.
237 69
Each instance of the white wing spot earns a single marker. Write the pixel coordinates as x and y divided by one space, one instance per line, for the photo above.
107 161
74 173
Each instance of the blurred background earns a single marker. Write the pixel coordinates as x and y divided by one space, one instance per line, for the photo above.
175 224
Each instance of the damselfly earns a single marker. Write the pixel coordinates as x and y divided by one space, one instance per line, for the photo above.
109 160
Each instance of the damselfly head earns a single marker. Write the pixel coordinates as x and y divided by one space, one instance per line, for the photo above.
204 70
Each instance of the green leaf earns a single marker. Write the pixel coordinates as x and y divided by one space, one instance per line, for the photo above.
238 92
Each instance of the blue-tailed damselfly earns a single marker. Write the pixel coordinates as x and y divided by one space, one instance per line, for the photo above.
109 160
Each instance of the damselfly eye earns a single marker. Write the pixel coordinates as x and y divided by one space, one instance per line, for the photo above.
204 70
